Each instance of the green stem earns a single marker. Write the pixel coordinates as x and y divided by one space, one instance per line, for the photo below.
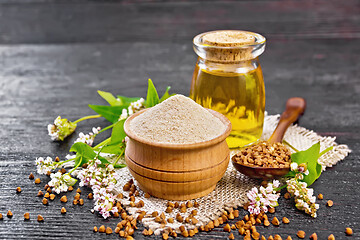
87 117
325 151
279 188
102 143
293 148
76 166
62 162
104 129
118 157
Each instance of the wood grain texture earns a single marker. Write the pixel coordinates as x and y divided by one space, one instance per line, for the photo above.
177 171
313 52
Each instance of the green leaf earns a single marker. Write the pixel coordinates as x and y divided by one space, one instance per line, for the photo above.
310 157
118 134
117 144
125 101
103 160
83 150
166 94
152 97
109 98
119 165
117 149
84 153
110 113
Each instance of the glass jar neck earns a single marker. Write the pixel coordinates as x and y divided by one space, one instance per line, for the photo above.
240 67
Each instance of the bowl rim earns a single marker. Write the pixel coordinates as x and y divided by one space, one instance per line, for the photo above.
207 143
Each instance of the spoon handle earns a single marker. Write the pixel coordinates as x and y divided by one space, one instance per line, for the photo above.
295 107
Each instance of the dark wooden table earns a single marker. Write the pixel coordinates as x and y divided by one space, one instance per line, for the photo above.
54 55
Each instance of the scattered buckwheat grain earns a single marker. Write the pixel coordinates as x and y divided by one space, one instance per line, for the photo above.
301 234
102 229
52 196
349 231
40 218
313 236
330 203
231 236
37 181
331 237
287 195
277 237
63 210
40 193
63 199
227 228
285 220
26 216
108 230
275 221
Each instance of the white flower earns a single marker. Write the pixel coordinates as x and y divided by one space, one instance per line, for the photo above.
130 111
54 134
293 166
124 114
276 183
45 165
60 183
88 138
261 200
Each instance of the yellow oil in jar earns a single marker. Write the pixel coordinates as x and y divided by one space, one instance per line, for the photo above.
239 96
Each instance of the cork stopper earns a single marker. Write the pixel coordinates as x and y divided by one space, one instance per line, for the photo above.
228 38
229 45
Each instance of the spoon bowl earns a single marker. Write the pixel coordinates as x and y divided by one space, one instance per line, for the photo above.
295 107
264 173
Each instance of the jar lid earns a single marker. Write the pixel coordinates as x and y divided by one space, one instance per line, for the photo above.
229 45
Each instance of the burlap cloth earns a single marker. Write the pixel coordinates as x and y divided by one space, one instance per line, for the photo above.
230 191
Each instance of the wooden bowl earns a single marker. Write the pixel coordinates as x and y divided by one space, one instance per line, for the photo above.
177 171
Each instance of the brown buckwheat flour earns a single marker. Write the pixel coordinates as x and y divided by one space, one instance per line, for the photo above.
177 120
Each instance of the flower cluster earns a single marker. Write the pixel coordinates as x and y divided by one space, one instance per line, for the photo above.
261 199
304 199
61 129
61 182
102 181
45 165
133 108
88 138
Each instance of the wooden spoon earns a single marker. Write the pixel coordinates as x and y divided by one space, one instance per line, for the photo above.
295 107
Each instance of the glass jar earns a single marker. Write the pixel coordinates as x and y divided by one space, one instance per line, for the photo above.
228 78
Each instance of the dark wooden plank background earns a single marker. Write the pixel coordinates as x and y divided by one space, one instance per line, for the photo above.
54 55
